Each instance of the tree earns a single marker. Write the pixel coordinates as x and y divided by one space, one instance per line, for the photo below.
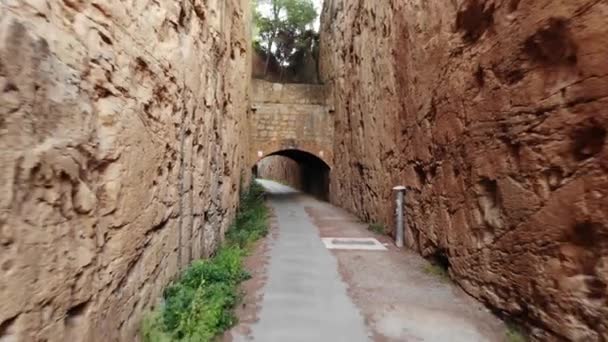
280 24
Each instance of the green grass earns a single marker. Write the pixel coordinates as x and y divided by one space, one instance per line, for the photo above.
199 305
437 271
515 334
377 228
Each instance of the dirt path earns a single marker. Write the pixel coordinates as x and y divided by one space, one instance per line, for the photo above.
306 292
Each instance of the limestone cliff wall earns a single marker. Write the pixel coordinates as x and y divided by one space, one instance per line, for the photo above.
122 143
282 169
494 113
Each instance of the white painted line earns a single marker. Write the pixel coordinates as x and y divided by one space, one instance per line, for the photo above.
365 244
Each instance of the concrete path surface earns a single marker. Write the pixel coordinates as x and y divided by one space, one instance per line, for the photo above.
307 292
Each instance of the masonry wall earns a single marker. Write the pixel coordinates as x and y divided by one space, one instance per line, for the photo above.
282 169
123 139
494 114
290 116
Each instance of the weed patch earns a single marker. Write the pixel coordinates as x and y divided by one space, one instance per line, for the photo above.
199 305
377 228
515 334
439 265
437 271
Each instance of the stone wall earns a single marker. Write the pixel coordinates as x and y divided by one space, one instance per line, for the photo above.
290 116
123 131
281 169
494 114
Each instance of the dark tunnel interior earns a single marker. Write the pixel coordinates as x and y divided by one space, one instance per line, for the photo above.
313 172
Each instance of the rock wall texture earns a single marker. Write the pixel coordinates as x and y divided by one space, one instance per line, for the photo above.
123 133
282 169
494 114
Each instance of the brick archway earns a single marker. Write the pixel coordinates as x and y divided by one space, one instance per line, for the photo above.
302 167
263 150
290 117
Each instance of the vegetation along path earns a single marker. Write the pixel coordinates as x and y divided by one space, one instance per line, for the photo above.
321 275
198 307
312 293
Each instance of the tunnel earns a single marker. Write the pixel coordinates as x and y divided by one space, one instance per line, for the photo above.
299 169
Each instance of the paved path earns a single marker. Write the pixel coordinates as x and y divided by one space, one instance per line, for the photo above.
313 294
304 298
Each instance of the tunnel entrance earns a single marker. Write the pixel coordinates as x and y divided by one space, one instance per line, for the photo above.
299 169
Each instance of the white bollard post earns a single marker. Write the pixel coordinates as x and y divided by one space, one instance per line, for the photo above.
399 234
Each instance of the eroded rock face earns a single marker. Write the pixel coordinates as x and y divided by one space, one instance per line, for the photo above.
281 169
494 113
123 134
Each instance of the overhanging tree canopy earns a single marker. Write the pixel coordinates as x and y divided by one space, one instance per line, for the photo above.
282 27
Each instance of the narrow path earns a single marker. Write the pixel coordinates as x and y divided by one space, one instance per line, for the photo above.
304 298
316 294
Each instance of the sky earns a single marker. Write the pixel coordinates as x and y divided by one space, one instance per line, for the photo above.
319 7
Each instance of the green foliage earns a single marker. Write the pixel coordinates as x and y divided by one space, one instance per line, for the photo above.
377 228
153 329
199 305
283 15
515 334
250 223
300 13
283 27
438 271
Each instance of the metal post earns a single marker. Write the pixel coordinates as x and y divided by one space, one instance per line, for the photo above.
399 234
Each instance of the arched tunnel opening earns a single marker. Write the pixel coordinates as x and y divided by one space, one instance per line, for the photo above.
299 169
